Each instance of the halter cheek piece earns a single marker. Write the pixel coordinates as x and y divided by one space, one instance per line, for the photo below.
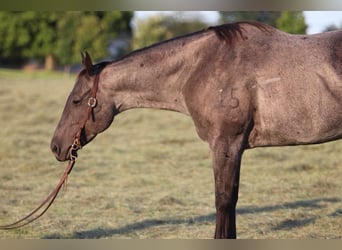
92 102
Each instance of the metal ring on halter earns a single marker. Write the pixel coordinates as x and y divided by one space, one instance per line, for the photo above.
73 157
92 102
75 146
73 152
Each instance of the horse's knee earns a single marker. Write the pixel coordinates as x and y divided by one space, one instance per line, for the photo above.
225 202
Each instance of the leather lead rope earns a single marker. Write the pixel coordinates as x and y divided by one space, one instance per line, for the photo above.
76 145
32 216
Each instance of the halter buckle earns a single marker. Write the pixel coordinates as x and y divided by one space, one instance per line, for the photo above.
92 102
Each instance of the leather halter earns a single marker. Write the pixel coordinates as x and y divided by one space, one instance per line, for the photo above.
92 102
76 145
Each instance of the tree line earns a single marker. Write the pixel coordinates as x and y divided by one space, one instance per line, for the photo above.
57 38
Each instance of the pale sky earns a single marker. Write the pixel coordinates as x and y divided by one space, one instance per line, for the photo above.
317 21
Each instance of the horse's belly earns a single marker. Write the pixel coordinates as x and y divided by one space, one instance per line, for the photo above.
293 113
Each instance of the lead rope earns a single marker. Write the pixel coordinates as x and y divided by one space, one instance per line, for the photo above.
76 145
32 216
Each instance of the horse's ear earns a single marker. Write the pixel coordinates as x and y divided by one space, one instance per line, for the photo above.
87 63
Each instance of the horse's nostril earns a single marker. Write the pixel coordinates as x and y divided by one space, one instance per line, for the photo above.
55 149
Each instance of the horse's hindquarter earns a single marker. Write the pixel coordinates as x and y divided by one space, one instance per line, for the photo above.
298 93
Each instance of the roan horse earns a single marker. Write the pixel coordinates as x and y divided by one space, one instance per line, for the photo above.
244 85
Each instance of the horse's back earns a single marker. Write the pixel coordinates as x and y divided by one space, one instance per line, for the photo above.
297 94
289 87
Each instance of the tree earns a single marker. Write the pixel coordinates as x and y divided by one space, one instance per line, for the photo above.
268 17
332 27
292 22
161 27
288 21
27 34
59 36
90 31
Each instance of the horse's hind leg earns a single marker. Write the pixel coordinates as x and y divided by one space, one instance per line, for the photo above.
226 159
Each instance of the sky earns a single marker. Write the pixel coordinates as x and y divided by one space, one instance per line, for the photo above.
317 21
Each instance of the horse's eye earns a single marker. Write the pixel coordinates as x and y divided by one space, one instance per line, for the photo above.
76 101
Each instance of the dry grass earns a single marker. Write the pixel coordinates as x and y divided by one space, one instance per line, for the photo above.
149 176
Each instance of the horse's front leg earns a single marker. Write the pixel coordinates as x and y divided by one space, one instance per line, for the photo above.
226 159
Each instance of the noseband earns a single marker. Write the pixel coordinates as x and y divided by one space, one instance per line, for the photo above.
75 146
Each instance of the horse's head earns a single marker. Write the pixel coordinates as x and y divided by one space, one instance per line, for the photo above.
82 114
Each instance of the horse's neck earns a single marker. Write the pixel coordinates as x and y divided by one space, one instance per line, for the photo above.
153 78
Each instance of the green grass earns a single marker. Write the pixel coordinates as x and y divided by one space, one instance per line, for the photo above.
149 176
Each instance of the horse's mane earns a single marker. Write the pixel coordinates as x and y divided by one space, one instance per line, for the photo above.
96 69
226 32
231 31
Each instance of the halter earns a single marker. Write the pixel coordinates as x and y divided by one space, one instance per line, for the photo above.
92 102
75 146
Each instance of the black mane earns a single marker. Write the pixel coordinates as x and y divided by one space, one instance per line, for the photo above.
226 32
231 31
97 68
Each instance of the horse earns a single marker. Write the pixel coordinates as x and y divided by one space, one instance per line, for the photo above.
244 85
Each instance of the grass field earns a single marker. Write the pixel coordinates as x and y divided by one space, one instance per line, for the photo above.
149 176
